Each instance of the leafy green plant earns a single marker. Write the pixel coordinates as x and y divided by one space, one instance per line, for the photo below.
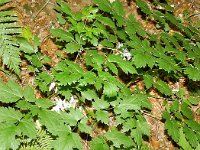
9 48
90 95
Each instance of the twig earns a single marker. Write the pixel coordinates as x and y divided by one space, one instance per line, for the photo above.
41 9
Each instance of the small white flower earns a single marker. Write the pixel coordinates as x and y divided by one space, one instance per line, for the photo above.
38 124
119 45
73 101
56 90
61 105
52 85
126 55
172 6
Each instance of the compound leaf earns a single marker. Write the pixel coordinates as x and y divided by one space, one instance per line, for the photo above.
119 139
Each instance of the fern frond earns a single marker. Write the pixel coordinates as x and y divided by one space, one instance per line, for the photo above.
42 142
9 47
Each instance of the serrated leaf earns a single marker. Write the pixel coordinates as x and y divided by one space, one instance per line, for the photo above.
88 78
9 115
63 35
118 12
7 138
172 128
102 116
68 142
64 8
53 122
129 124
193 125
143 6
175 106
89 95
119 139
103 5
191 136
72 47
124 65
137 135
135 102
83 127
106 21
182 140
26 47
148 80
28 94
27 127
194 100
44 103
24 105
10 92
163 87
142 125
193 73
73 117
186 111
110 89
112 67
98 143
100 104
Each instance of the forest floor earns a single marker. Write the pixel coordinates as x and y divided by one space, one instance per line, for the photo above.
40 17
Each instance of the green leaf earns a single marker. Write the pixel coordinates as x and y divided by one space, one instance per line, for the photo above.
143 6
112 67
64 8
9 115
99 143
68 142
182 140
53 122
193 73
163 87
191 136
186 111
89 95
119 139
100 104
172 128
28 94
193 125
63 35
104 5
148 80
124 65
72 47
73 117
26 47
118 12
10 91
137 135
142 125
28 127
7 138
194 100
83 127
44 103
106 21
110 89
102 116
175 106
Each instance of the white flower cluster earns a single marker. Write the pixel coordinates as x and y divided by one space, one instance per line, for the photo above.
125 54
62 105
